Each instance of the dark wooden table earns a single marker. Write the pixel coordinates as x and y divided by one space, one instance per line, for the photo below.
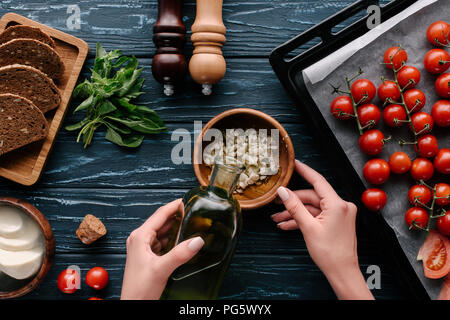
123 188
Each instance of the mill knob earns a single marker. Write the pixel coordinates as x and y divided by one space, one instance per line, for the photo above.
169 65
207 65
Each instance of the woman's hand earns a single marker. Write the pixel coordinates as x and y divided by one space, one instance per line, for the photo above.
147 272
328 226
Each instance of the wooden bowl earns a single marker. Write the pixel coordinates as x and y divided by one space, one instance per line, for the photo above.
22 287
253 196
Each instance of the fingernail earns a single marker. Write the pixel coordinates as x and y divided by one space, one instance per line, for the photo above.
283 193
297 161
196 244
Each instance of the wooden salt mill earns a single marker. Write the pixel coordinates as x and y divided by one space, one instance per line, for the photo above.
169 65
207 65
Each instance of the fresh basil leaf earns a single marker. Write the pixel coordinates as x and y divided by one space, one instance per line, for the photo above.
106 107
120 129
77 126
128 84
132 141
126 104
85 104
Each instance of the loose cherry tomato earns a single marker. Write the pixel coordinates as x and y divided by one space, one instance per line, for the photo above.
97 278
443 224
441 113
437 61
393 115
442 161
363 91
422 169
388 90
69 281
422 122
438 32
342 107
408 77
421 193
442 85
414 99
442 194
369 113
427 145
376 171
374 199
399 162
395 55
417 215
371 142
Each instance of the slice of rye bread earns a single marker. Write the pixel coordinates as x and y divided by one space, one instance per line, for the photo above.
32 84
32 53
26 32
21 123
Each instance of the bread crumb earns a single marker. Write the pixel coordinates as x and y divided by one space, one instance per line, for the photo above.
91 229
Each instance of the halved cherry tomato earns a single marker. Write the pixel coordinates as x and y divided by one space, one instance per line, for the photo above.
422 169
363 91
442 194
435 255
399 162
369 113
445 290
442 161
408 77
371 142
388 90
422 122
421 193
394 115
437 61
374 199
342 107
443 224
438 32
69 281
442 85
441 113
416 216
376 171
395 55
414 99
97 278
427 145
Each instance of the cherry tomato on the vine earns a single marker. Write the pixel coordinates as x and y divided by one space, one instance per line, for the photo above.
369 113
374 199
414 99
395 55
363 91
422 169
442 85
437 61
399 162
342 107
69 281
422 122
388 90
376 171
417 215
442 161
371 142
443 224
97 278
438 32
421 193
442 194
394 115
441 113
427 146
408 77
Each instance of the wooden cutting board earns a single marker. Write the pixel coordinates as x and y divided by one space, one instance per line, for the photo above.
26 164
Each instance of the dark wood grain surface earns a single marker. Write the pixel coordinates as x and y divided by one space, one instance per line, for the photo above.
124 187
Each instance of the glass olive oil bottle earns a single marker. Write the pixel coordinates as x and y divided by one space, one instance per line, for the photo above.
214 214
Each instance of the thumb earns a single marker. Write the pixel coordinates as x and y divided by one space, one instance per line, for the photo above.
181 254
296 208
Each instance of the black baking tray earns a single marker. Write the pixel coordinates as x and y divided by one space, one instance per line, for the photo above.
287 66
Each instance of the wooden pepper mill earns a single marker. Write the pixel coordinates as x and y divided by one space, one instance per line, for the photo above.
207 65
169 65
